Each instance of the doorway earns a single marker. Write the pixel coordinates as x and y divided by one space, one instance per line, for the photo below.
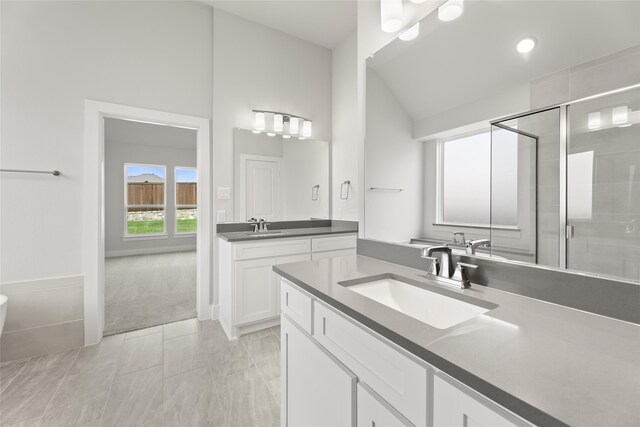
150 224
96 114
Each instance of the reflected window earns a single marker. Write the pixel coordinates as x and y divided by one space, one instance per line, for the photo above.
186 200
145 201
465 180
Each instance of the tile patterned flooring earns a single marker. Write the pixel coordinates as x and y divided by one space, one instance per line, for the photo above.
148 290
180 374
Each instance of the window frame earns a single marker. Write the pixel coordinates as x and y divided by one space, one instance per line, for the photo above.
177 206
126 235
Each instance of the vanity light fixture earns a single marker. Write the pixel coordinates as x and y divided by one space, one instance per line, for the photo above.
526 45
451 10
620 115
594 120
390 15
411 33
284 124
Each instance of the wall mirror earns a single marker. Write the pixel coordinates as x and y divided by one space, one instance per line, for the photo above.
531 157
280 179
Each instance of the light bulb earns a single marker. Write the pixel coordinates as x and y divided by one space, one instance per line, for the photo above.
293 125
411 33
390 15
594 121
259 121
450 10
271 134
306 128
619 115
286 136
278 122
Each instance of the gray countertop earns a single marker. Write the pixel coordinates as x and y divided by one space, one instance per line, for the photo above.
550 364
242 236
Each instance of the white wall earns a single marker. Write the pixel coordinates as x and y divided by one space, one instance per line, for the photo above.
393 159
256 67
155 55
116 155
344 143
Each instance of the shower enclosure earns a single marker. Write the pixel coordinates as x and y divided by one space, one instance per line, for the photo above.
565 185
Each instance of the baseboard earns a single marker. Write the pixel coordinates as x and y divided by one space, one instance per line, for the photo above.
149 251
215 312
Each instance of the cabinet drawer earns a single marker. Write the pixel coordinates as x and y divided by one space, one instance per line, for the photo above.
374 411
396 378
297 305
456 406
321 244
331 254
271 248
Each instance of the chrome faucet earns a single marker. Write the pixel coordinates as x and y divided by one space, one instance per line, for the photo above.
262 225
443 268
254 223
472 245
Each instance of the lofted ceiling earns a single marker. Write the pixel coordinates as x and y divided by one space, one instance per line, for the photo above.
322 22
474 57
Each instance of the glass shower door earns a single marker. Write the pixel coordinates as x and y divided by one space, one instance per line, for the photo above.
603 185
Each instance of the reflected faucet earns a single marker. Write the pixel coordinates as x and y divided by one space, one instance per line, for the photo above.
472 245
458 238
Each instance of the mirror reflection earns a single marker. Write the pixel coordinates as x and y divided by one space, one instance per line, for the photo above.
510 155
280 179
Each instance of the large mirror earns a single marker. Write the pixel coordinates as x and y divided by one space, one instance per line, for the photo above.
280 179
523 156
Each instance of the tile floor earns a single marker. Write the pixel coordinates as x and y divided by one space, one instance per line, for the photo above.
179 374
149 290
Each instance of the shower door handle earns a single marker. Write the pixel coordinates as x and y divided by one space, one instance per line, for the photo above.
569 232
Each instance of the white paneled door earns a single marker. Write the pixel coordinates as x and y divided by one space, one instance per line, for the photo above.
262 187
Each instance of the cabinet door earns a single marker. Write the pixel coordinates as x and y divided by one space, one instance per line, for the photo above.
453 407
255 291
375 411
317 390
287 260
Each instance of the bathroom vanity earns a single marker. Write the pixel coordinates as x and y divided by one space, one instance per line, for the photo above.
349 357
249 289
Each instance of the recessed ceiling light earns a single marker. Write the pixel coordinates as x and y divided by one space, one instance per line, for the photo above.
526 45
411 33
450 10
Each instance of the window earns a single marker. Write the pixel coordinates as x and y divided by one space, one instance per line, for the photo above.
186 200
465 166
144 199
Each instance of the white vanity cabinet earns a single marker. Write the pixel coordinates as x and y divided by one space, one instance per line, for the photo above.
320 391
249 289
393 387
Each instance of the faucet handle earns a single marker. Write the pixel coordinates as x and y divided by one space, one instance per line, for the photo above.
434 264
462 274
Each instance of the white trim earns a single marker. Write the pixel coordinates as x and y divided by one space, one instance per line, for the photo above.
150 251
243 182
150 236
184 235
41 284
93 192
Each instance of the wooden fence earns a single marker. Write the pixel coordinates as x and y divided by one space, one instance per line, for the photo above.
152 193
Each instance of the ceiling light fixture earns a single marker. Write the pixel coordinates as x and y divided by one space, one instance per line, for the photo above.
526 45
594 120
390 15
619 115
411 33
451 10
281 119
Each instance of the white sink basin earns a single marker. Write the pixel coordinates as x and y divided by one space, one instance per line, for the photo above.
432 308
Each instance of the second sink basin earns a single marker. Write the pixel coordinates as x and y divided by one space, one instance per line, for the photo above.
436 308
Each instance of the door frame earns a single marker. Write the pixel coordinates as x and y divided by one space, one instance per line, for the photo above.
243 181
93 203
